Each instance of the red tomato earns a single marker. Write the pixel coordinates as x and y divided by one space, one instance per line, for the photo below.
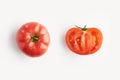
84 41
33 39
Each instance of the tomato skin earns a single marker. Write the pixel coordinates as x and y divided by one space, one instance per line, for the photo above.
33 39
84 42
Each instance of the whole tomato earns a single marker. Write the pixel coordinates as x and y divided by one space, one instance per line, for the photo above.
84 41
33 39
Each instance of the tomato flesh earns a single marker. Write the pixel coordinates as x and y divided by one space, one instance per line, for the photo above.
84 42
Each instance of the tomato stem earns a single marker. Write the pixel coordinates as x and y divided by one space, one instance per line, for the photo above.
84 28
35 38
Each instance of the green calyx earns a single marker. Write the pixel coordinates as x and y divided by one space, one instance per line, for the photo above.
84 28
35 38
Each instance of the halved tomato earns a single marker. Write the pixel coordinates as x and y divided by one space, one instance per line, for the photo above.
84 41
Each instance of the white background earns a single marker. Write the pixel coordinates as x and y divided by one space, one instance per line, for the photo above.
59 63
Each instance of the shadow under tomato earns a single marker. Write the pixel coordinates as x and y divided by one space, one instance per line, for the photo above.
13 44
63 42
